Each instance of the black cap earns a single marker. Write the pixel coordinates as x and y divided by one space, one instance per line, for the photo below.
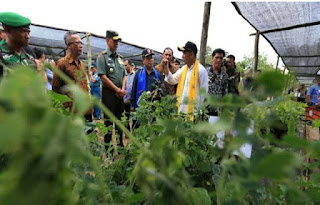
189 47
176 61
113 35
147 52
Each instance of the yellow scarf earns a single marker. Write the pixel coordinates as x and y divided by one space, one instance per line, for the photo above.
192 90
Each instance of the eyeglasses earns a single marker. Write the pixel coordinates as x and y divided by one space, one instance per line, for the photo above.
77 43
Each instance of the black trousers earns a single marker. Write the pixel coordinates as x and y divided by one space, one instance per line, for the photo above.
115 105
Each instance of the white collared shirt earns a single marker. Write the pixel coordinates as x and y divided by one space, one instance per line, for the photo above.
173 79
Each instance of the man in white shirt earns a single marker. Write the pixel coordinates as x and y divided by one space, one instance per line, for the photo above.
190 79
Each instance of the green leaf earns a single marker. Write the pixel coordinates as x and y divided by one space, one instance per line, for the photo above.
81 99
200 196
272 82
275 166
315 123
135 198
61 98
295 142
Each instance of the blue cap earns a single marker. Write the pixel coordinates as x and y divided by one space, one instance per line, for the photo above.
93 64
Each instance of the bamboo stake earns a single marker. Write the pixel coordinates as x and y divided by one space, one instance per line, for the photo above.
256 53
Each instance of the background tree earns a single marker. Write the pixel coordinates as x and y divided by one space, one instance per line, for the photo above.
248 62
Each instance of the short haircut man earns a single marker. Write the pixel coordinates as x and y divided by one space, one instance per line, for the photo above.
38 52
233 75
218 83
313 93
218 50
167 61
71 65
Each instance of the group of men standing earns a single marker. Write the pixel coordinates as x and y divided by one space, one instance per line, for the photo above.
121 86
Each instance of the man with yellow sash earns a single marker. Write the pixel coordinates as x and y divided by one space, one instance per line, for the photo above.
190 79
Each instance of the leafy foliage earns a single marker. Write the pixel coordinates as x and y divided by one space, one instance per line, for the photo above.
46 157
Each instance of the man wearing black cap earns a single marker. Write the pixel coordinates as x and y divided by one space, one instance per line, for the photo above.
113 77
190 79
16 28
145 79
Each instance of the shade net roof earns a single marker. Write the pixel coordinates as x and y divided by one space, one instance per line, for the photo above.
298 46
51 40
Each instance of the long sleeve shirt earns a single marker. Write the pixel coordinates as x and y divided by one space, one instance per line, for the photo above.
202 83
151 84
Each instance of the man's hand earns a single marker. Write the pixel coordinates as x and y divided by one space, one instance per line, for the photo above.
132 109
164 61
120 94
38 64
164 64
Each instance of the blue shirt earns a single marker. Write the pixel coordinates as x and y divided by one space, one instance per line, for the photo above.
128 87
314 92
50 77
151 84
97 78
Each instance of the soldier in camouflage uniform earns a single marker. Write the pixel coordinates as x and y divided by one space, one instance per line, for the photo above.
233 75
17 32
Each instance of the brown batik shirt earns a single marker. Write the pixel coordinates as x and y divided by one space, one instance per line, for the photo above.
74 70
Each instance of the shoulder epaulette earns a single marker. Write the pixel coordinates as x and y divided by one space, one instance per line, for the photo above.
120 55
104 52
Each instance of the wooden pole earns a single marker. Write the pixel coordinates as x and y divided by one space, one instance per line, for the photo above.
277 63
256 53
204 35
287 82
89 59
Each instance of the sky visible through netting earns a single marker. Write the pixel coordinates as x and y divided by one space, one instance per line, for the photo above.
298 47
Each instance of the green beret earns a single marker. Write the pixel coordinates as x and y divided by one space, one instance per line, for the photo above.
14 19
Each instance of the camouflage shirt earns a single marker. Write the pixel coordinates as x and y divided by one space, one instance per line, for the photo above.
9 58
233 80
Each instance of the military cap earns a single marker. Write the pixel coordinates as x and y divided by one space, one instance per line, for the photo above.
147 52
189 46
113 35
14 20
